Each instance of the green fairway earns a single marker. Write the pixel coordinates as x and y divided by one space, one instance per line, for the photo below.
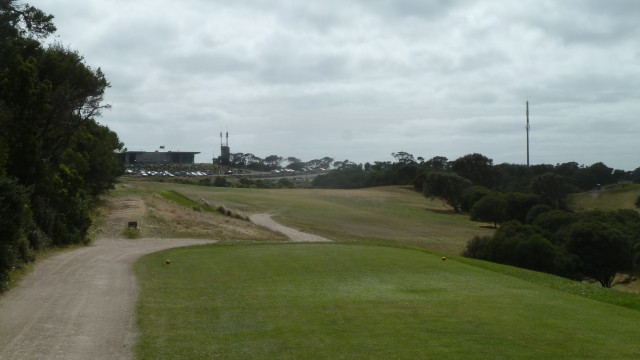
389 214
620 196
332 301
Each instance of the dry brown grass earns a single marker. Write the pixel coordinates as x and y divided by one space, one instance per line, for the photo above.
158 217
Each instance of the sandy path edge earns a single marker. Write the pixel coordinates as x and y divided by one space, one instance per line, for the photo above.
293 234
78 304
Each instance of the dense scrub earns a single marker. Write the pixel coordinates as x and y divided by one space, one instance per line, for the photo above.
55 159
592 244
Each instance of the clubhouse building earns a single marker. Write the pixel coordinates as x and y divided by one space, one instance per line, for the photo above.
159 157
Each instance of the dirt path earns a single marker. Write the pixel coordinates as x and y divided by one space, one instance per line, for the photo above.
77 304
293 234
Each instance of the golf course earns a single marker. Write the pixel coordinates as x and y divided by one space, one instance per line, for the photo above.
390 284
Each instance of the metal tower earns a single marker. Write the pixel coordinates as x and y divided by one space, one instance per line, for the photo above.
225 152
528 127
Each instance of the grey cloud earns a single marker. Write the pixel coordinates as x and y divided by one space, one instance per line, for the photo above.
361 79
604 23
207 64
426 9
288 64
584 89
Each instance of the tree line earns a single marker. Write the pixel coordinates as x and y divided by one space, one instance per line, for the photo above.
538 230
477 168
55 159
276 162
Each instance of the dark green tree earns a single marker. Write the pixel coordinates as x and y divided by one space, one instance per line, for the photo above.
634 175
319 164
519 204
220 181
295 163
252 162
50 143
14 218
603 251
439 163
285 183
567 170
21 20
491 208
477 168
555 220
536 210
346 176
404 157
448 187
552 190
590 177
93 154
472 195
273 162
326 162
517 245
237 160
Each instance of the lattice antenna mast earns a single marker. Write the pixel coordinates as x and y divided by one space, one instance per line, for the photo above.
528 127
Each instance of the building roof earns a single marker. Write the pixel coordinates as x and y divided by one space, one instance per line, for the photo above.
168 151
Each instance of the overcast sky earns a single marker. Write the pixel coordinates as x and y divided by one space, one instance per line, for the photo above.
361 79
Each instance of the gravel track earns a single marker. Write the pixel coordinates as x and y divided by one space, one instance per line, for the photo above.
78 304
293 234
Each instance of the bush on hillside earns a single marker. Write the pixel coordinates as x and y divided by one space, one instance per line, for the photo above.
603 250
519 204
220 181
555 220
472 195
536 210
517 245
491 208
14 216
595 244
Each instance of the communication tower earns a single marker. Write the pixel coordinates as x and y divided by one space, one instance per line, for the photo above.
528 127
225 152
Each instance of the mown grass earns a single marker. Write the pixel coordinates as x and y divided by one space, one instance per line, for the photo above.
588 290
619 196
337 301
386 214
180 199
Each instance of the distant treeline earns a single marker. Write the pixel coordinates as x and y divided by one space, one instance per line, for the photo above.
55 159
275 162
477 168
